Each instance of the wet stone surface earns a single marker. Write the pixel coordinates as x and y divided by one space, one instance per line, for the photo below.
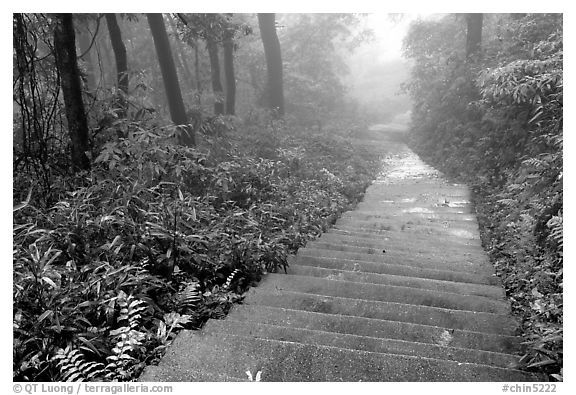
398 290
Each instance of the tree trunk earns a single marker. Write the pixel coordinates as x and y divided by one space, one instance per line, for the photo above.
267 24
229 71
197 72
85 40
171 84
121 60
474 34
180 55
215 72
65 54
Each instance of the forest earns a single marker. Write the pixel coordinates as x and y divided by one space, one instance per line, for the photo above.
164 163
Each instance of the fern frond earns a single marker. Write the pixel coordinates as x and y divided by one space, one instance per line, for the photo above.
230 279
555 224
190 296
130 309
74 367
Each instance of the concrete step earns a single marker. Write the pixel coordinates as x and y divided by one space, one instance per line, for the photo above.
398 238
160 373
390 234
416 231
372 327
395 242
490 291
361 343
279 361
383 207
384 293
410 214
400 258
390 311
410 223
400 270
407 253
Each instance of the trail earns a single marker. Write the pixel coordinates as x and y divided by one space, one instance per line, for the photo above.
398 290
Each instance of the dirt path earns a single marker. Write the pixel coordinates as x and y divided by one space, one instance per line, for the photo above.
399 290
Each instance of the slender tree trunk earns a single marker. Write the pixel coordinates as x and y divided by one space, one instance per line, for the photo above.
474 34
215 72
267 24
85 40
197 71
229 71
180 55
121 60
65 54
171 84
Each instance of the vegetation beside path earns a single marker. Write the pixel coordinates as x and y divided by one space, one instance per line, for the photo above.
493 118
158 237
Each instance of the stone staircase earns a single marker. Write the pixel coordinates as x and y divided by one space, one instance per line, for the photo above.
399 290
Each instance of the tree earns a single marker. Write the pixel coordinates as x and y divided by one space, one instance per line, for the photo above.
170 78
65 55
473 34
121 60
267 25
85 40
212 47
228 44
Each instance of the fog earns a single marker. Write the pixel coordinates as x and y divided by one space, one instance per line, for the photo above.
377 68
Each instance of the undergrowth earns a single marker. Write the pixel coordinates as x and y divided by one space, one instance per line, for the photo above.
496 123
158 237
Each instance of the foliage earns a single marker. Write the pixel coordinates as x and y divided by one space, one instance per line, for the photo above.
159 237
496 123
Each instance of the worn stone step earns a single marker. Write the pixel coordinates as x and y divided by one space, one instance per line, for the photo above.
175 374
410 254
400 258
388 206
490 291
410 214
420 231
400 236
361 343
410 223
391 311
372 327
395 242
385 293
400 270
280 361
432 187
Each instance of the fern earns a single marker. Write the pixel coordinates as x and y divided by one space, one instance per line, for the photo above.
230 279
128 338
74 367
555 224
190 296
